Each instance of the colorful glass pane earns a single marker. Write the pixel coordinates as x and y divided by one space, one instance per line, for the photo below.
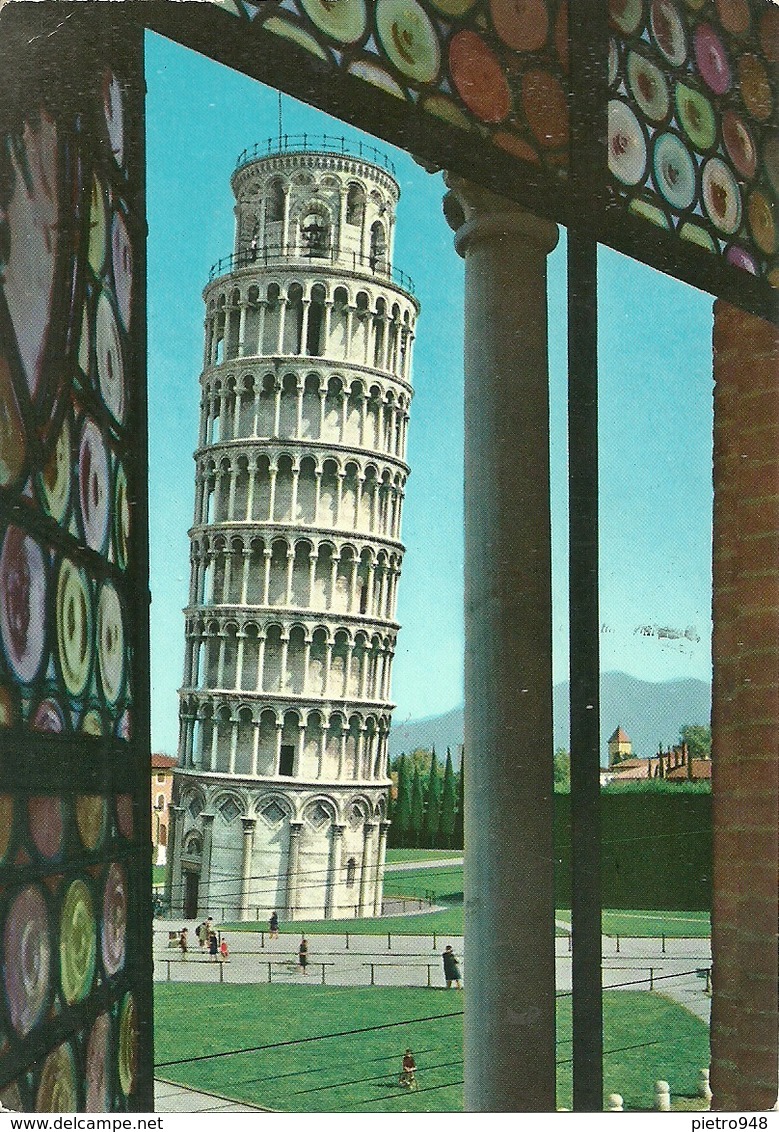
497 68
74 868
691 148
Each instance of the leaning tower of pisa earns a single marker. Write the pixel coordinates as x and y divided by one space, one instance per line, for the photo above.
281 789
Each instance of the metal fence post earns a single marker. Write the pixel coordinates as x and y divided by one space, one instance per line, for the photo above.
389 941
428 974
347 941
373 982
663 939
323 974
618 943
651 978
269 974
168 962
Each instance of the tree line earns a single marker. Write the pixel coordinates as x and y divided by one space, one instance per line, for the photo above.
426 803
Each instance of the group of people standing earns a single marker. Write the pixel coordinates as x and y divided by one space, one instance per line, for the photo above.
208 939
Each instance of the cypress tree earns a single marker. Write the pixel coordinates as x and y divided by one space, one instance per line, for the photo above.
432 819
447 818
417 809
459 832
402 811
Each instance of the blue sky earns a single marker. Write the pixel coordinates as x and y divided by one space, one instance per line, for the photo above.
655 409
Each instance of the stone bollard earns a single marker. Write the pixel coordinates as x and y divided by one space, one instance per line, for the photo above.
662 1096
704 1088
614 1103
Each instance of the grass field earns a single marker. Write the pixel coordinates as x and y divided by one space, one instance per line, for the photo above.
337 1049
406 856
645 922
444 882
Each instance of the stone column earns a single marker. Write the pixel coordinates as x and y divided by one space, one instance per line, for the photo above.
293 867
246 865
204 888
174 889
365 868
380 858
509 1024
333 894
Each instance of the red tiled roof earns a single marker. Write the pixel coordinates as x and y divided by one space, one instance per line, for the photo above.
162 762
620 736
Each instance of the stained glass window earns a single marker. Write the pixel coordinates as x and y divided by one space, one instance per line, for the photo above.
74 869
693 146
490 67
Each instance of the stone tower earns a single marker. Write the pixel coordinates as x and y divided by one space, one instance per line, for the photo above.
281 789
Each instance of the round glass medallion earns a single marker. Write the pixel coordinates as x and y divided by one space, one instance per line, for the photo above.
113 109
668 31
74 626
98 227
27 959
344 20
122 258
755 87
523 25
648 86
696 116
674 171
739 144
22 603
114 926
762 221
94 485
627 15
78 943
91 820
56 475
46 824
409 38
478 77
57 1090
721 196
110 642
545 107
128 1045
98 1068
110 366
712 59
627 144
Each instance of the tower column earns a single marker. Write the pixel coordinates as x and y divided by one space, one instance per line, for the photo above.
365 868
204 888
174 893
334 871
380 859
295 828
248 825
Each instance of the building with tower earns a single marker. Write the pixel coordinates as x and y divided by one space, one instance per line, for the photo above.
280 794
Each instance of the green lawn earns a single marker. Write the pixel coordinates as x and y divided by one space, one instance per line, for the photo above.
643 922
449 921
338 1049
402 856
441 883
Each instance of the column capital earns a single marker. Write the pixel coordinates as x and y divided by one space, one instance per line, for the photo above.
338 830
295 828
248 826
208 819
475 215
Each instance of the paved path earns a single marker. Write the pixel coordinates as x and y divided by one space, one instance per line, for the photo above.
412 866
175 1098
675 968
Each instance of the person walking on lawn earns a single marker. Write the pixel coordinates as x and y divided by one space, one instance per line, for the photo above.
273 924
451 968
303 956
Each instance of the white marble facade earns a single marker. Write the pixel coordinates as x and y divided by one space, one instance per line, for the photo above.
281 789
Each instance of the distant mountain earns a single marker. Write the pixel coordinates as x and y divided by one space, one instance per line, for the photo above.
649 713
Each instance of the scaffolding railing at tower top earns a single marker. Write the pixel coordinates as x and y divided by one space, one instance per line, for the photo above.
331 257
314 143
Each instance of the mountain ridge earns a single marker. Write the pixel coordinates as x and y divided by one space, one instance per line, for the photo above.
649 712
